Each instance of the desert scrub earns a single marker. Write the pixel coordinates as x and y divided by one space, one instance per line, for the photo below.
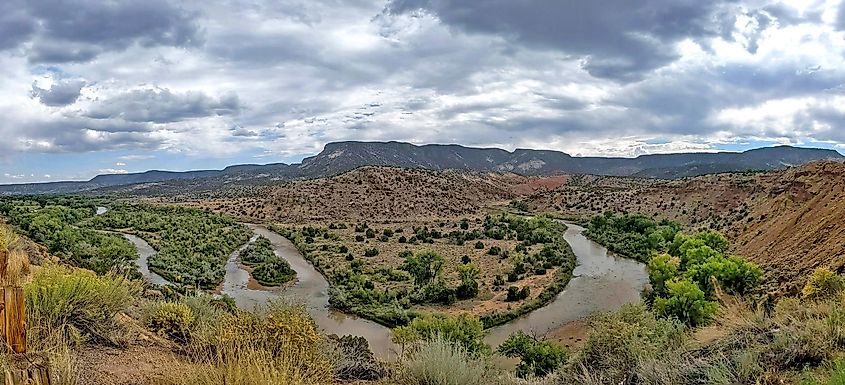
77 305
277 345
440 362
823 284
170 319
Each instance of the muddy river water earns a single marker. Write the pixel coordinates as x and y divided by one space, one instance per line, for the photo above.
601 282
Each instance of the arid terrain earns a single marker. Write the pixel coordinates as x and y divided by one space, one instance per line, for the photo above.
789 221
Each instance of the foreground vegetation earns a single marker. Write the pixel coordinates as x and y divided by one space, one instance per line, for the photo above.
393 289
792 341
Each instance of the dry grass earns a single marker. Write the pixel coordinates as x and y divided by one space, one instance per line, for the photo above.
14 264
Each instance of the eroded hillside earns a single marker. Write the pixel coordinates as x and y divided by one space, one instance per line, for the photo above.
789 221
378 194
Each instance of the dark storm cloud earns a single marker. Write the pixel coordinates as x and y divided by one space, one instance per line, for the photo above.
82 135
619 39
163 106
841 16
60 94
15 25
79 30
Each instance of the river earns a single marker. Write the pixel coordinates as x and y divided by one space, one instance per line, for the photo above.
144 253
601 282
310 288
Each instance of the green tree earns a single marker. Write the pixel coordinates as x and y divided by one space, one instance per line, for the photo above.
686 302
661 269
468 274
423 267
537 358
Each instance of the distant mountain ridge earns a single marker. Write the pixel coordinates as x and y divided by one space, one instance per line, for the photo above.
339 157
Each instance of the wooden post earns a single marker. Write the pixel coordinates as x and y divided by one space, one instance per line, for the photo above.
22 368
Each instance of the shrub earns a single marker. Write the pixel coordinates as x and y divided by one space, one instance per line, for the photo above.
170 319
464 330
619 343
822 284
685 302
468 287
402 239
370 233
437 292
439 362
275 273
353 360
77 304
465 259
537 358
495 250
515 294
359 238
479 245
371 252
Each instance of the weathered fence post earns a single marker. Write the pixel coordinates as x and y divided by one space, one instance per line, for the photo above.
22 368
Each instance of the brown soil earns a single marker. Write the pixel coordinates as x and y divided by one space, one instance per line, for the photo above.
789 221
143 361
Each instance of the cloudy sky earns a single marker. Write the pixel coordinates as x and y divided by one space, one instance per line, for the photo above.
91 86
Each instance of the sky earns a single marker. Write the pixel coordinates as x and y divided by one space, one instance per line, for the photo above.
90 87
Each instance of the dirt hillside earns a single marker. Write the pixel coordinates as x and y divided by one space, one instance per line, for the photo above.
789 221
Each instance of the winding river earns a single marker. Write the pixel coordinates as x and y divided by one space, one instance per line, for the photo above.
310 288
601 282
144 253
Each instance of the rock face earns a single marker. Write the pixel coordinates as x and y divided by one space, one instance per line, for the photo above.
340 157
343 156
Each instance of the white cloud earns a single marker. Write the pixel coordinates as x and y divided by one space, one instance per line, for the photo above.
269 79
112 171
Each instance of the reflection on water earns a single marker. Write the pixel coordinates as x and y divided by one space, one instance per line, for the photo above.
600 282
144 253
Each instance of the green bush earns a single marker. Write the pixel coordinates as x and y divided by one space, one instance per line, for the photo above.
77 304
423 267
464 330
515 294
620 343
537 358
274 273
171 319
686 302
371 252
468 274
479 245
